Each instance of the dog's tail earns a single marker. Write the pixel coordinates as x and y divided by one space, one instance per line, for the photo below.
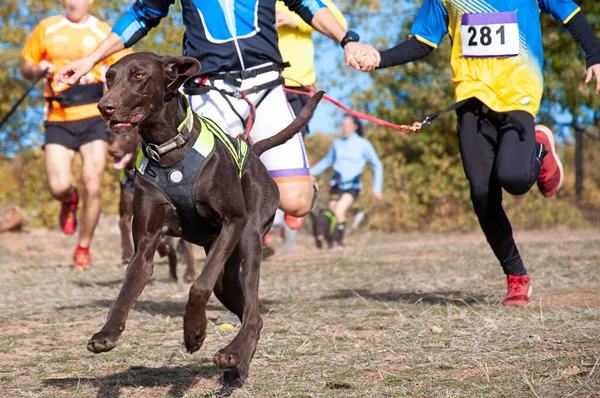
294 128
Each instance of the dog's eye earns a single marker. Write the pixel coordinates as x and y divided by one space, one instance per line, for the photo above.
139 76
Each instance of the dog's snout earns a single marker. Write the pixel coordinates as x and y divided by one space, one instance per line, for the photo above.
113 151
107 106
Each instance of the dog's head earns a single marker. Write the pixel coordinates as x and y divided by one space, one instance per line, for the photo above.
124 147
139 84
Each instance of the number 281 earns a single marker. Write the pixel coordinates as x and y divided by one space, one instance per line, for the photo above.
485 35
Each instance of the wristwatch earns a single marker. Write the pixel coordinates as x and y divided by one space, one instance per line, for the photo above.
350 36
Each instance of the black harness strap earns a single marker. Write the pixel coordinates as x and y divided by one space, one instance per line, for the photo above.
489 113
430 118
196 89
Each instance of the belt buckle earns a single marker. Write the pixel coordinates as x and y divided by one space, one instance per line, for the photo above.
245 74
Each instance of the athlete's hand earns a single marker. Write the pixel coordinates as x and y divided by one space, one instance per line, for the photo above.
361 56
46 65
71 73
378 196
592 71
284 19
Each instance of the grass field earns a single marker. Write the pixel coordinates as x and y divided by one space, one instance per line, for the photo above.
393 316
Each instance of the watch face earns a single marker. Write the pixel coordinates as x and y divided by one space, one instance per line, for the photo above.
350 37
353 36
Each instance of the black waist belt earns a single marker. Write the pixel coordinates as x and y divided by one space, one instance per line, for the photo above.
78 95
234 77
196 89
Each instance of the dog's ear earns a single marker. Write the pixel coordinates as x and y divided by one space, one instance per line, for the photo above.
179 69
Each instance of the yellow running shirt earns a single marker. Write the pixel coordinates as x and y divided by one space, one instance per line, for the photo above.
497 53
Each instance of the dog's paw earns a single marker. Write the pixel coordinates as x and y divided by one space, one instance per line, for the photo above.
194 330
193 340
225 359
189 277
101 342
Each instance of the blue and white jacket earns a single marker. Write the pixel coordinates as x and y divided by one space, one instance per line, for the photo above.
224 35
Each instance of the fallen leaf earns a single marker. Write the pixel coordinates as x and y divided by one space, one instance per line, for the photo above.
436 330
572 371
535 337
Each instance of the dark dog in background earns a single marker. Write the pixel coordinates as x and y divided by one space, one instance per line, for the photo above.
229 207
124 148
323 227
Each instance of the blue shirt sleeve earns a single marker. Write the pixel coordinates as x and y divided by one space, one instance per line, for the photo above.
431 24
561 10
306 9
373 159
141 17
324 163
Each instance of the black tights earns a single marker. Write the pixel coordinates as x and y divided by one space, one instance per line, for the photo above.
498 151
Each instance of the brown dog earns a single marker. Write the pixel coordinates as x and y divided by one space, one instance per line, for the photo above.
124 148
198 183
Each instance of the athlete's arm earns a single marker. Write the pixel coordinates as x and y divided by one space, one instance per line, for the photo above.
33 55
31 71
569 13
324 163
408 51
373 159
584 35
315 12
426 33
128 30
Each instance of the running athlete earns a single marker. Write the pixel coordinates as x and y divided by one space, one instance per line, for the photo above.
72 121
348 156
497 60
296 46
236 44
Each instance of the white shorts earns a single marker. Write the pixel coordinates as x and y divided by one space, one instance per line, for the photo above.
285 163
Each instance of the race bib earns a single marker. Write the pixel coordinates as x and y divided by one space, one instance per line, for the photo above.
490 35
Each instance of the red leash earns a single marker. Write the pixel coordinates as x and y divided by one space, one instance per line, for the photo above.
405 128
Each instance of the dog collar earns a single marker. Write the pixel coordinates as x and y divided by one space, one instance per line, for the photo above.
155 151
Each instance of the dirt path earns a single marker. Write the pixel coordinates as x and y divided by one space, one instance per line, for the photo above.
394 315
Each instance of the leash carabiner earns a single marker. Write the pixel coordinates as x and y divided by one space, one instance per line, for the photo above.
152 152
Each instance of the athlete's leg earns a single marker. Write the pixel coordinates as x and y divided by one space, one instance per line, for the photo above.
94 161
57 160
478 141
287 163
342 206
519 156
340 209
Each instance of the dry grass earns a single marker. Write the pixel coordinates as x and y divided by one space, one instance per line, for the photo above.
398 315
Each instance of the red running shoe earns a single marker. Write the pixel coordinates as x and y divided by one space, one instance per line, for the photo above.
551 175
519 291
294 222
82 259
68 214
267 239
